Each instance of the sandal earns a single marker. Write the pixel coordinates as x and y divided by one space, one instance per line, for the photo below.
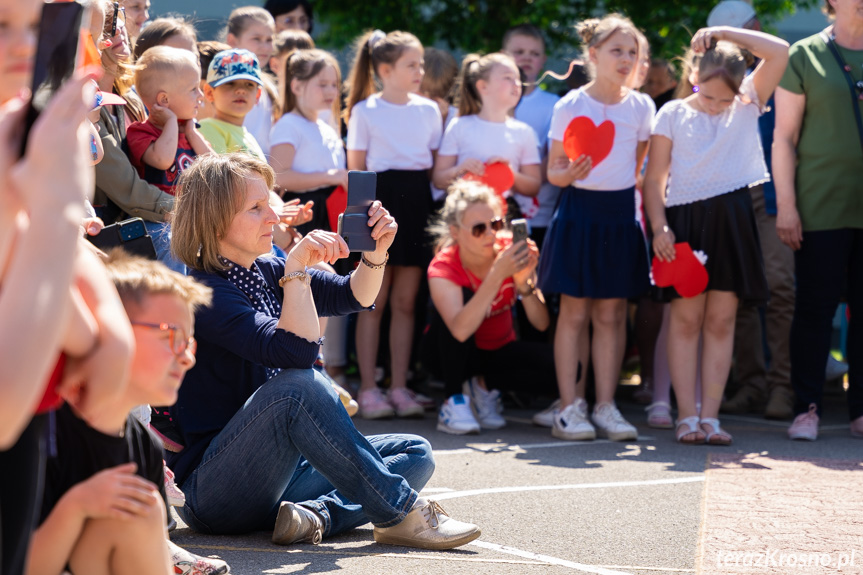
717 435
659 415
690 427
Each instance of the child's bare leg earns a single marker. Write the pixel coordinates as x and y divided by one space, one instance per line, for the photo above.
684 331
609 338
571 348
136 546
369 333
406 283
719 317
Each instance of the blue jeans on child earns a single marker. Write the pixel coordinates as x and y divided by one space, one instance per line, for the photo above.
160 232
293 441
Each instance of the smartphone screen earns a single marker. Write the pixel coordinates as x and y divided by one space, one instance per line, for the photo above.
56 55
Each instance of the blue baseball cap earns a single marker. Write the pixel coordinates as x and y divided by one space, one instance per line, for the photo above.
234 64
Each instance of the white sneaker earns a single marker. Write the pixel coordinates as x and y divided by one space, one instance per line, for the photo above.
545 418
486 405
456 417
611 424
571 422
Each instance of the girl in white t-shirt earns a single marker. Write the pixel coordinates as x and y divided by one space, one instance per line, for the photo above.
306 152
594 253
710 144
252 28
395 133
484 131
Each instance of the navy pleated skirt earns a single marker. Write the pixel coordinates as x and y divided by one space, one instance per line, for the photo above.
594 247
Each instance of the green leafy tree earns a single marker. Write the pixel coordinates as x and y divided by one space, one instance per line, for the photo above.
478 25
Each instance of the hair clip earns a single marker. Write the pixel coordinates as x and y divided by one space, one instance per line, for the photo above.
376 37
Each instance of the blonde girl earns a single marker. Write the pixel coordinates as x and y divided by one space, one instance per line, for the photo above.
710 142
395 133
594 254
485 131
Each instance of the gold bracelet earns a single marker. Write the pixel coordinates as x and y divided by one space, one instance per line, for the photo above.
375 266
531 289
302 276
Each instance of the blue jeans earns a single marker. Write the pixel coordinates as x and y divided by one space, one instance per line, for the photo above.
160 232
293 441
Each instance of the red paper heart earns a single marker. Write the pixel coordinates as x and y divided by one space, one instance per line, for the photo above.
685 273
584 138
336 205
498 176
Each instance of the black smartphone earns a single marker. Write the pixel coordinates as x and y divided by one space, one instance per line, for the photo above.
131 235
519 230
56 56
354 223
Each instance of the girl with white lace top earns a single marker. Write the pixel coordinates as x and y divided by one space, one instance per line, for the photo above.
710 143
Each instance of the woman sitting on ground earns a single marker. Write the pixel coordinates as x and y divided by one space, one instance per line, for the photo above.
253 412
474 284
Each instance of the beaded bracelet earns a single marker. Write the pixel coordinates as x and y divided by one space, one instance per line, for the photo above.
375 266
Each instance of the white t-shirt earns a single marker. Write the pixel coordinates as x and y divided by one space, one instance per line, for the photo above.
260 120
631 118
472 137
317 147
536 110
395 136
713 155
437 193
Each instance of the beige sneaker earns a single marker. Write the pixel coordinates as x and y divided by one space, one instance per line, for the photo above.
297 523
428 526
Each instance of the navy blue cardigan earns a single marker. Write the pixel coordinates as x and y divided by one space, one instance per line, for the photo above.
235 345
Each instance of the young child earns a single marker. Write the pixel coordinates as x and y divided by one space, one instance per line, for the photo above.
484 132
594 253
252 28
102 501
307 153
526 45
441 72
166 143
710 142
234 87
206 51
168 81
379 141
284 43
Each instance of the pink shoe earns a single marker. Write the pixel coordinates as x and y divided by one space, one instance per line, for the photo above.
805 425
373 404
176 498
404 403
857 427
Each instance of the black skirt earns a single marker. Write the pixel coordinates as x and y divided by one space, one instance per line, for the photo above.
724 228
407 196
320 216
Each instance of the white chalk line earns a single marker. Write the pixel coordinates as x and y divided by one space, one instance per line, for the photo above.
506 447
606 485
548 559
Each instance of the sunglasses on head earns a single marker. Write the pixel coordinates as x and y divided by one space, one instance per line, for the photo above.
119 14
477 230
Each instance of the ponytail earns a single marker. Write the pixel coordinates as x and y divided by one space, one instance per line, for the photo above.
473 69
373 49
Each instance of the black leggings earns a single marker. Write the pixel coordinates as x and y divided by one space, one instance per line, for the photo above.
22 470
525 366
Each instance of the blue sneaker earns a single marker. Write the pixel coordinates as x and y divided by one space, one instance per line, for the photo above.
456 417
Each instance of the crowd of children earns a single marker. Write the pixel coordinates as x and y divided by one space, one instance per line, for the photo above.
637 165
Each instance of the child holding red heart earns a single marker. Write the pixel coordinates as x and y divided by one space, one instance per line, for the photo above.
485 133
395 133
710 142
594 253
